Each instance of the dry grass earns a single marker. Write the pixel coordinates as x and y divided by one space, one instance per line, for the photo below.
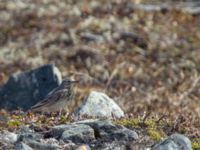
154 70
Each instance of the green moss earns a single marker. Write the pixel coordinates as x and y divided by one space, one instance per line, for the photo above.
196 144
153 131
64 119
154 134
14 123
150 123
134 123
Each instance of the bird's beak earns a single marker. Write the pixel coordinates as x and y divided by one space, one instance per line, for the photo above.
74 81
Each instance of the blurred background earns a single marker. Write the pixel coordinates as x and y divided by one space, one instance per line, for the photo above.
144 54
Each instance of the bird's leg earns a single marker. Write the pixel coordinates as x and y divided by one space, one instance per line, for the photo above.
60 113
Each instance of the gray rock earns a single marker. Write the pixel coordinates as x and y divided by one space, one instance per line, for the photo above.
174 142
107 131
151 7
8 137
29 136
77 133
25 129
114 145
42 146
25 133
22 146
89 37
89 131
192 10
26 89
130 37
96 134
98 104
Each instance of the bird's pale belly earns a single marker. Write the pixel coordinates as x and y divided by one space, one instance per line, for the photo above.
58 106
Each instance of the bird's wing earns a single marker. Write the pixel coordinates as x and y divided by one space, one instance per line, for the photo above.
53 91
50 99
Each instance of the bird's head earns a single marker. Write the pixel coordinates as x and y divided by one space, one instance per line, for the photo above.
67 83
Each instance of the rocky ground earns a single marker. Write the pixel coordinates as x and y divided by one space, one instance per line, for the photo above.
145 57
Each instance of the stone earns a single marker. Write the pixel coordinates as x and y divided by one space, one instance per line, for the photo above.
42 145
151 7
77 133
8 137
107 131
30 136
113 145
192 10
25 129
83 147
25 89
131 37
26 133
88 134
89 37
69 146
174 142
98 104
22 146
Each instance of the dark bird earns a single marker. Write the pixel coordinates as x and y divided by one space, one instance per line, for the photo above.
58 99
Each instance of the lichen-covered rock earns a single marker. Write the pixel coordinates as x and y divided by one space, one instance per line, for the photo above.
25 89
26 133
86 134
112 145
78 133
22 146
107 131
174 142
89 37
8 137
42 146
98 104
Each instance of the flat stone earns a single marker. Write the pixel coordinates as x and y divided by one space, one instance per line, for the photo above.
114 145
192 10
29 136
8 137
77 133
107 131
22 146
98 104
89 37
174 142
25 89
42 146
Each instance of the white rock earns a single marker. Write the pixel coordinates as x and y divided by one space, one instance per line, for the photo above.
8 137
98 104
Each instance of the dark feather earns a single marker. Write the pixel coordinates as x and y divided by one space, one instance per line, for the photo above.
62 93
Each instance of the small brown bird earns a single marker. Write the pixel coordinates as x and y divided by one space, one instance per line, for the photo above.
58 99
